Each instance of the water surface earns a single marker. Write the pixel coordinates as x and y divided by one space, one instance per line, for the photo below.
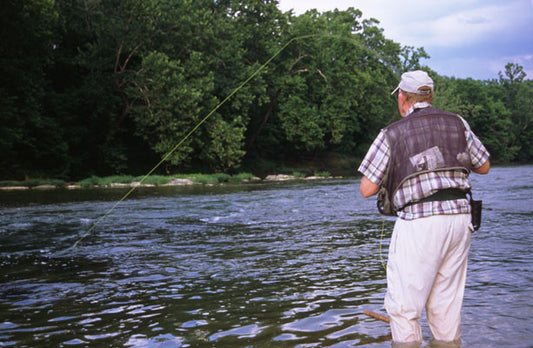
250 265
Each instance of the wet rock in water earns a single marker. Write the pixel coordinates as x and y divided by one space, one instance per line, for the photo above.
176 181
279 177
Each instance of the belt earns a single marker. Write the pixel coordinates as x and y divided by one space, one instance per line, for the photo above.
440 195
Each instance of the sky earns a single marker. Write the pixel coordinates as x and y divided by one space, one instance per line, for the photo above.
464 38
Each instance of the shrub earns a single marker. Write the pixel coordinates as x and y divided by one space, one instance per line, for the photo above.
155 180
33 182
115 179
105 181
241 177
323 174
8 183
92 181
209 178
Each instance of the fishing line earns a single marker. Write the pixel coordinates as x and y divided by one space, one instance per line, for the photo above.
380 243
168 154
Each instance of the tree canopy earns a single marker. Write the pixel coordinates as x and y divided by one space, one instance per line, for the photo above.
105 87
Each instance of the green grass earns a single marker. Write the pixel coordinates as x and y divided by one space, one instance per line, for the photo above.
297 172
92 181
116 179
216 178
210 179
32 182
155 180
124 179
8 183
323 174
105 181
241 177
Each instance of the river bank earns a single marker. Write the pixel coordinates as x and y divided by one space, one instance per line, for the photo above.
156 181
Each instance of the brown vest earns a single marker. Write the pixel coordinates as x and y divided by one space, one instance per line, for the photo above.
428 140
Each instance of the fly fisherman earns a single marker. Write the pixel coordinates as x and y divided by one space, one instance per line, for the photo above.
420 166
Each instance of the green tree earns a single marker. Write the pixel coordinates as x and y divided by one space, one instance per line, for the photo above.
488 116
220 46
171 100
112 86
30 140
524 124
333 90
517 96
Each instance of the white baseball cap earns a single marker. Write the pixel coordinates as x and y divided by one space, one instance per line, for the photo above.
412 81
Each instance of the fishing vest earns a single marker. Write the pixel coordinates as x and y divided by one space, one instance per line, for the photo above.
428 140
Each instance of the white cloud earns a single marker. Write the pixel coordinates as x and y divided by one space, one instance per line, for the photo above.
460 28
465 38
419 22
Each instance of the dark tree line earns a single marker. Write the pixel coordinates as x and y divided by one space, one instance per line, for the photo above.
99 87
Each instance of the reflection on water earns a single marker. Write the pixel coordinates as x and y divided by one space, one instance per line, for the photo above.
262 265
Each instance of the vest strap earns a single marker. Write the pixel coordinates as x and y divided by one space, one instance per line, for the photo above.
440 195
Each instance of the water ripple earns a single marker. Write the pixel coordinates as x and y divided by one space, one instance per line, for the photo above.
291 265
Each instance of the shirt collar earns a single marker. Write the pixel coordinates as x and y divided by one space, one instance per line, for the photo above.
415 106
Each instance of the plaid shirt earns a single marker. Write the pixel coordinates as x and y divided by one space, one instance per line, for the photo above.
375 163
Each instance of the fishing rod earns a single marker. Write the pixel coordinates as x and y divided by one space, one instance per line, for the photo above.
206 117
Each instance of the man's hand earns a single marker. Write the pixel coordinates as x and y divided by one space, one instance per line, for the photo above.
368 188
484 169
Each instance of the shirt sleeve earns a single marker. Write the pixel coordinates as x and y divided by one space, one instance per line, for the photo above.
478 153
374 165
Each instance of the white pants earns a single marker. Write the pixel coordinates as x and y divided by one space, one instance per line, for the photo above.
427 268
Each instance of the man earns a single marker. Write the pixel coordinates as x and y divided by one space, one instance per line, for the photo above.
420 167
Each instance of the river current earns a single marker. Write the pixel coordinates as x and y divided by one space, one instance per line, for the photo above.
283 264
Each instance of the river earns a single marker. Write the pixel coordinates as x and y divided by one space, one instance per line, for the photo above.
283 264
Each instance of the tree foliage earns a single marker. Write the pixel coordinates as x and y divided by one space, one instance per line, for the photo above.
112 86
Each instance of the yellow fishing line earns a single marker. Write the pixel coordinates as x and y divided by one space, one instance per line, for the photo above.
189 134
351 40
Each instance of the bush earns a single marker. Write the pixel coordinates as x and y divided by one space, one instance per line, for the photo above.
323 174
105 181
92 181
241 177
33 182
155 180
159 179
7 183
115 179
56 182
209 178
